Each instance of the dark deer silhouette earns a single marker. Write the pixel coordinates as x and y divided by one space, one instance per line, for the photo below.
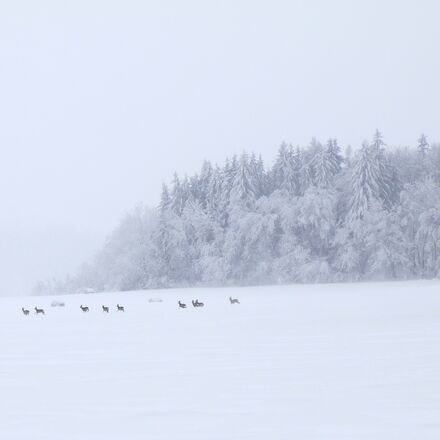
120 308
196 303
182 305
25 312
39 311
234 300
85 309
105 309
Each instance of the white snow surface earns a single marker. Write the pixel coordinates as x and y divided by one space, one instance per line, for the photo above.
338 361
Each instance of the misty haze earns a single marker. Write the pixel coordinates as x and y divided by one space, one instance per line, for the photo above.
219 220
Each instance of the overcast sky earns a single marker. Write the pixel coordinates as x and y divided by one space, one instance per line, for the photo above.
100 101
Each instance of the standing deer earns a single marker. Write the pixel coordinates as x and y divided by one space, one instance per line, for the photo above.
105 309
39 311
85 309
25 312
234 300
182 305
120 308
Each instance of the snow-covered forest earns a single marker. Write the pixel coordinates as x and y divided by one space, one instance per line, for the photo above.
317 214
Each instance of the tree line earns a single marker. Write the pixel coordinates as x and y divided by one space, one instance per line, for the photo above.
314 215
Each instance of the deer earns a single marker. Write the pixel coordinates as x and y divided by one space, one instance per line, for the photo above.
105 309
120 308
39 311
25 312
234 300
85 309
182 305
196 303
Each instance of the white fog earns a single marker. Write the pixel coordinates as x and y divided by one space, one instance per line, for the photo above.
102 101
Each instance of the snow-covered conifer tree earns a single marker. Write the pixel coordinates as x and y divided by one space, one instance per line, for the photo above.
177 195
204 181
388 182
334 154
422 145
258 175
286 170
165 199
365 182
323 167
372 178
243 191
214 194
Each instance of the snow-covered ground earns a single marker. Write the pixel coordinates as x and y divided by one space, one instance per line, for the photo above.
353 361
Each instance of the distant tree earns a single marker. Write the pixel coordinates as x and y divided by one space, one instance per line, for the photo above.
335 157
243 191
422 145
286 170
365 182
177 195
258 175
373 179
388 184
203 183
324 166
214 194
165 199
378 143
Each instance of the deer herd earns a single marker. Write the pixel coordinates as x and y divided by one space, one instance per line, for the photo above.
119 308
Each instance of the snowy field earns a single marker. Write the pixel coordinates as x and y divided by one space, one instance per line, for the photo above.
353 361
